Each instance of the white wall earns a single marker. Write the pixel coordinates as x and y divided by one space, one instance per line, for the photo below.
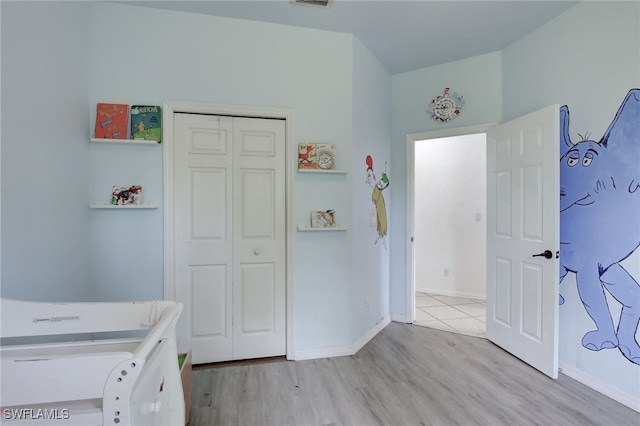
479 81
45 89
449 225
227 61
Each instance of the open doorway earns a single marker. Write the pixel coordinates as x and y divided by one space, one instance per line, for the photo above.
448 229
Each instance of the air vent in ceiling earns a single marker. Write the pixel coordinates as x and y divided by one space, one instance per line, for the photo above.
321 3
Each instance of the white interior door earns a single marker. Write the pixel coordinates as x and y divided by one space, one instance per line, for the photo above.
523 192
230 220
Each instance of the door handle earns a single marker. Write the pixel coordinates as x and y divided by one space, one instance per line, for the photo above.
547 254
256 252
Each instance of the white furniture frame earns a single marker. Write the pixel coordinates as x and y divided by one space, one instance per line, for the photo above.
95 380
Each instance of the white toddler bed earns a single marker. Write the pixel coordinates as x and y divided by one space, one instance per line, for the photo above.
95 381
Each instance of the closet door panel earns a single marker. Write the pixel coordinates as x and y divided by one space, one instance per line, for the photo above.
259 238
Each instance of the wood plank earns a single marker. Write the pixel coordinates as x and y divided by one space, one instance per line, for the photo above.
406 375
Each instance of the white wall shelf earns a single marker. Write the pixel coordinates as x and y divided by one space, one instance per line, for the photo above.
335 171
328 228
127 206
125 141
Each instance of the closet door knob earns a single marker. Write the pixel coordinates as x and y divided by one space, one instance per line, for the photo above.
256 252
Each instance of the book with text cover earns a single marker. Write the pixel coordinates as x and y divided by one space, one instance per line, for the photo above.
112 121
146 122
307 156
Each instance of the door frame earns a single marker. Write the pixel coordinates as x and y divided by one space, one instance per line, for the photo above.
412 138
169 109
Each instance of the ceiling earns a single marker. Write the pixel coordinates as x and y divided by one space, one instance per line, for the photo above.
403 35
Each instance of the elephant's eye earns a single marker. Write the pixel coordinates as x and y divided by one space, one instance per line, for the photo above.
588 158
573 159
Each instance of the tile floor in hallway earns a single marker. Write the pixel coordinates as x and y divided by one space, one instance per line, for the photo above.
455 314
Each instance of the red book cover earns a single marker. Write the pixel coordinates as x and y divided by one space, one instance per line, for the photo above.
112 121
307 156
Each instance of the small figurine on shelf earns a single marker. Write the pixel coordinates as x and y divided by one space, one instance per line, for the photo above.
122 195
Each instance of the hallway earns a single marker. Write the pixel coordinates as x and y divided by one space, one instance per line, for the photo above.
454 314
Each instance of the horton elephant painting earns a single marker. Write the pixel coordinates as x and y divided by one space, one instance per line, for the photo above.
600 225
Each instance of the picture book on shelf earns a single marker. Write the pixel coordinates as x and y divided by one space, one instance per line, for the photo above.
126 195
325 156
307 156
146 122
112 121
323 219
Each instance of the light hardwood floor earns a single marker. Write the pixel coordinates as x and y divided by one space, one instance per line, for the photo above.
406 375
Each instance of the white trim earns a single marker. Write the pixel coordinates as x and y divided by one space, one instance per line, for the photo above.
335 171
331 352
400 318
598 385
410 266
125 141
125 206
307 228
366 337
169 108
343 350
412 138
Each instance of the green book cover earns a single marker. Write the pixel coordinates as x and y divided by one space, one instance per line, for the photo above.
146 122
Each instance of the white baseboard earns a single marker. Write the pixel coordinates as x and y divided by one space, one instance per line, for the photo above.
630 401
323 353
400 318
452 293
342 350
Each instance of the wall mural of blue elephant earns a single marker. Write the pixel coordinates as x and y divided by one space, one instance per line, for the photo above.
600 225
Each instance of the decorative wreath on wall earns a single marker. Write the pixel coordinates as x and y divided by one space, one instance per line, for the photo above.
445 107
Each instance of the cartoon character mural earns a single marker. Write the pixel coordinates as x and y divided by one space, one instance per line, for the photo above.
600 225
378 200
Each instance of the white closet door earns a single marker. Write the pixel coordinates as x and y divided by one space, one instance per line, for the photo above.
203 190
259 239
230 236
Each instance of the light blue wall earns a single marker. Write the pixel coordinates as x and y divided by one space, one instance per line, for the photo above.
479 81
45 91
371 136
226 61
53 245
588 59
79 54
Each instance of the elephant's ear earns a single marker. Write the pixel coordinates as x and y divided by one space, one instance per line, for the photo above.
564 127
625 127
